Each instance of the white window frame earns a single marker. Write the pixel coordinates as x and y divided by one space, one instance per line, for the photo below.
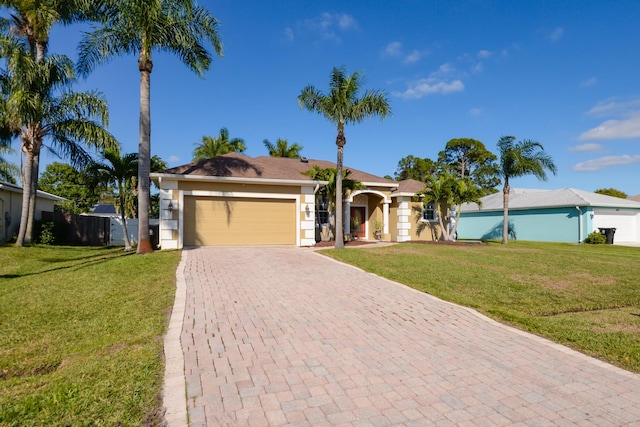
426 209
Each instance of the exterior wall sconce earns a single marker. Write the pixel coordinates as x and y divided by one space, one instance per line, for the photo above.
170 206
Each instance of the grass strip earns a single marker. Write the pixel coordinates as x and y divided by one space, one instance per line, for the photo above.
82 331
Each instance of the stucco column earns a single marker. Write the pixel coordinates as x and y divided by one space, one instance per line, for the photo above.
385 217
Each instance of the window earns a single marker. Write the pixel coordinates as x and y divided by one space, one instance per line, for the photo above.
322 211
429 212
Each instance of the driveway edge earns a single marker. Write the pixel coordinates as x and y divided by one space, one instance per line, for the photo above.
174 389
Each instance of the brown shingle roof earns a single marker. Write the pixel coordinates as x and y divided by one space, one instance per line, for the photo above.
235 165
410 186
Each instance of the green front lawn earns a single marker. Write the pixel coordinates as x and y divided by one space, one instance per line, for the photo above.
81 334
584 296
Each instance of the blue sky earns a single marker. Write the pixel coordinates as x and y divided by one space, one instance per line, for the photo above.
564 73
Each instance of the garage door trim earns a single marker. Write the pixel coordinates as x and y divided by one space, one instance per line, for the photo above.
295 197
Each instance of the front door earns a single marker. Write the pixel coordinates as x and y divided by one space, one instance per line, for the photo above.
358 222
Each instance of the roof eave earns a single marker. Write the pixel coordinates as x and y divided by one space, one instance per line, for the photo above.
238 180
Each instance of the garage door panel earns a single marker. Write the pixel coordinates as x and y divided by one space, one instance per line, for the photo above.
215 221
624 222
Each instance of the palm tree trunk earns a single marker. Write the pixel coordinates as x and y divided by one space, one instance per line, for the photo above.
33 192
26 195
505 205
144 158
340 142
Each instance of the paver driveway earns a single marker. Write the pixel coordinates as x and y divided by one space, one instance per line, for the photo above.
285 336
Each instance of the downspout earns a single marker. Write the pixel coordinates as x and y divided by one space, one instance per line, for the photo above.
579 224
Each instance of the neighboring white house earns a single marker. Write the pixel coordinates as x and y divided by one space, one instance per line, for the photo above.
11 208
566 215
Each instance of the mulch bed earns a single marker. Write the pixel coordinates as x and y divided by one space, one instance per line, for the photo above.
352 243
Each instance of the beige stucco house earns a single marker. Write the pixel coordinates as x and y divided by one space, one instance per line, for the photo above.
239 200
11 208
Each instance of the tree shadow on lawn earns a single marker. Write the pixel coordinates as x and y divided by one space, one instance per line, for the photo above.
75 262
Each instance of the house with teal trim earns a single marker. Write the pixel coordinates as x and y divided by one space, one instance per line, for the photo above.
566 215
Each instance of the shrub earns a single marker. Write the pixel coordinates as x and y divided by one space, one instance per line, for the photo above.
45 232
596 238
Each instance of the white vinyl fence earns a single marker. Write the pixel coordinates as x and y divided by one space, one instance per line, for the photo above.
117 235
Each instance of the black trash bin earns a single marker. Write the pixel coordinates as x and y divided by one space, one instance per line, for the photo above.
154 235
608 233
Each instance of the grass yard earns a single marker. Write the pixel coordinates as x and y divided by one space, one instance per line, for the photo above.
584 296
81 340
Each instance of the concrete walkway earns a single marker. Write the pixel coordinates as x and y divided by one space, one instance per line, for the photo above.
286 336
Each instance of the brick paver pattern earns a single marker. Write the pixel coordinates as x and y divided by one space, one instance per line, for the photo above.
285 336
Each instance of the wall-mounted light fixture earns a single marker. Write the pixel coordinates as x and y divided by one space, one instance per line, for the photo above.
170 206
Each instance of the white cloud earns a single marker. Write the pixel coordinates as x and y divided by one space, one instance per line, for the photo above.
327 25
588 82
605 162
626 128
174 159
413 57
441 81
396 50
483 54
346 22
586 147
393 49
614 107
288 34
429 86
476 112
556 34
477 68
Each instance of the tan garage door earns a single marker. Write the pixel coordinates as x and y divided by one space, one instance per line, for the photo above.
226 221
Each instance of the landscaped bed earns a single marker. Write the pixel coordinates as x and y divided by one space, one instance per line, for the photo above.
583 296
81 339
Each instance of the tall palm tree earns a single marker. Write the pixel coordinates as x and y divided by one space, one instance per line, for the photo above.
342 106
37 105
32 21
210 146
139 27
328 192
120 171
283 149
519 159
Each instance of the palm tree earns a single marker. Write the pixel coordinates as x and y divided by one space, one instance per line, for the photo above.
212 147
283 149
139 27
121 171
519 159
341 106
37 105
32 21
8 171
329 191
446 191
